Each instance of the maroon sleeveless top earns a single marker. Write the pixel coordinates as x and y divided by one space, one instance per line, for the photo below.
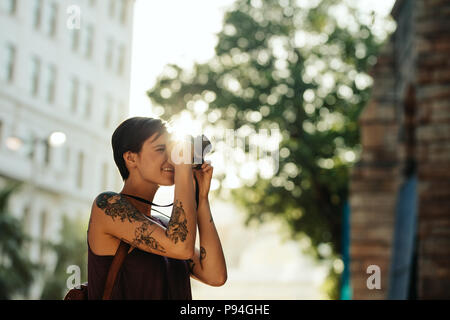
143 276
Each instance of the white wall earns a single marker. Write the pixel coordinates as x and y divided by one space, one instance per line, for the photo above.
52 187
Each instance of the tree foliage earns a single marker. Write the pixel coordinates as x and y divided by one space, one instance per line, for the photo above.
71 251
298 66
16 268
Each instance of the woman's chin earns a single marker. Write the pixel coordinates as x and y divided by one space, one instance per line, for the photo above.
167 182
168 177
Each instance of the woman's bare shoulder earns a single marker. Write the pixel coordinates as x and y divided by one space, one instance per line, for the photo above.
102 205
106 198
100 242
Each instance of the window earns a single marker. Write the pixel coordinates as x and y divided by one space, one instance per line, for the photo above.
31 150
37 14
66 157
121 60
87 105
88 41
7 63
50 84
47 152
112 8
51 19
9 6
35 74
75 39
74 92
109 53
107 111
79 177
123 11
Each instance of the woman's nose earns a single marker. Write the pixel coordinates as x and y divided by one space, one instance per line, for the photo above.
167 157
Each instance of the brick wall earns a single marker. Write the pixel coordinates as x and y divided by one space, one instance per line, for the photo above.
433 141
374 183
408 117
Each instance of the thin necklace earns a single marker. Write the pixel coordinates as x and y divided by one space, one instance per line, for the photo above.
167 205
149 202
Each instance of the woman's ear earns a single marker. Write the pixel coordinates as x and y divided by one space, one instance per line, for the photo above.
130 159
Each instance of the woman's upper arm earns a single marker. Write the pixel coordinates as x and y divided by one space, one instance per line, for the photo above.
119 218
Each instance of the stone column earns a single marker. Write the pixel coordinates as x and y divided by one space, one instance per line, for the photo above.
374 182
433 142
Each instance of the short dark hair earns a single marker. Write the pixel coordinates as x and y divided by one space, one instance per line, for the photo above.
130 135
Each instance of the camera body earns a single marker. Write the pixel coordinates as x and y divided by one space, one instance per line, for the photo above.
201 146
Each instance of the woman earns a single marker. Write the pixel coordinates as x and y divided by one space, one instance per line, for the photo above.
163 256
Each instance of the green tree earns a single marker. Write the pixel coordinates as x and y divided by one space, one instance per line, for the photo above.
16 269
298 66
71 251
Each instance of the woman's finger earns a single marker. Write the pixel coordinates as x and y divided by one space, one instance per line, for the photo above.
208 169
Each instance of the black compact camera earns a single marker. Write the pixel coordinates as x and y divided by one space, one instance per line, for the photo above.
199 153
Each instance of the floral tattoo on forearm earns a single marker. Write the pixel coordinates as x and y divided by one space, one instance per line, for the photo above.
177 226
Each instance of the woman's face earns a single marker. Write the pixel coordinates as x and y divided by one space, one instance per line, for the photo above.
152 161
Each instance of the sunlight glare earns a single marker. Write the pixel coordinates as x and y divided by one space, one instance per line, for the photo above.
184 125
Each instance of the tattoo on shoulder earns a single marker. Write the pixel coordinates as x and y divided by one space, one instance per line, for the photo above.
177 226
116 206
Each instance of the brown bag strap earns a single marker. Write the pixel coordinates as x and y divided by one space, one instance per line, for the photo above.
117 262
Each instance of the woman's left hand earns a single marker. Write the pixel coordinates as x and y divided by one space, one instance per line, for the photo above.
204 176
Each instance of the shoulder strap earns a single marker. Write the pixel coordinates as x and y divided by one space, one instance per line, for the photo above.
117 262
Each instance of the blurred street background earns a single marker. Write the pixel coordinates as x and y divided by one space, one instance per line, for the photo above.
340 81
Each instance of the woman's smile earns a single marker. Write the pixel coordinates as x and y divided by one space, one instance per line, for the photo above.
168 170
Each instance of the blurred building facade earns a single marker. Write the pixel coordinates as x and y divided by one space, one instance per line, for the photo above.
406 134
65 66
